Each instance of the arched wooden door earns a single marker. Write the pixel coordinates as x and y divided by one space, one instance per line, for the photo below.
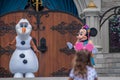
57 28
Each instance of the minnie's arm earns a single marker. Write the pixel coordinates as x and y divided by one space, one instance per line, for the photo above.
90 42
95 50
77 39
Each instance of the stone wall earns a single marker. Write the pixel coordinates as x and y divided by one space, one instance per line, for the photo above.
107 64
107 4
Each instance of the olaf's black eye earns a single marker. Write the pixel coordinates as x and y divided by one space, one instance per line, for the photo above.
21 25
26 24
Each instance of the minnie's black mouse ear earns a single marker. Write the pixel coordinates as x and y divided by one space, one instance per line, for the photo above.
93 32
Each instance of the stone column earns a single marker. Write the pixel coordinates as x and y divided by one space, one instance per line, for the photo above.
92 20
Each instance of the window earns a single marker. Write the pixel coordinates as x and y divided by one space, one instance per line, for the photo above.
114 34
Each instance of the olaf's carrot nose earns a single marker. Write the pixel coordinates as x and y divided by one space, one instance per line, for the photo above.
23 30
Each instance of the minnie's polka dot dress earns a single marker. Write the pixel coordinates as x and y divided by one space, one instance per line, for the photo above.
91 74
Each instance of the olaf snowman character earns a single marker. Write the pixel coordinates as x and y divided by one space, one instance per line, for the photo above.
23 61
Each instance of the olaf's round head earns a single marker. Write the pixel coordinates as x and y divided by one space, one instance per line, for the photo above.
23 27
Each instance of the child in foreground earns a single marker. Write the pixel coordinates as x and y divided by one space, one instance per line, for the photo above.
82 67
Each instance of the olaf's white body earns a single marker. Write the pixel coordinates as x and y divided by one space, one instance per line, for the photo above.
23 60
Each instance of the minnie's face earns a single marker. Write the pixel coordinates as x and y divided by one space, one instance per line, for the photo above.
82 35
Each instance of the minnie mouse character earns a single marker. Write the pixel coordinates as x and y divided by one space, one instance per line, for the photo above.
84 42
84 34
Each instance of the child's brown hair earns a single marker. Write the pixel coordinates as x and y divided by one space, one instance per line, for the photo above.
81 61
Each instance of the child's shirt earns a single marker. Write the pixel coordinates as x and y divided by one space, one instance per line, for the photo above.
91 74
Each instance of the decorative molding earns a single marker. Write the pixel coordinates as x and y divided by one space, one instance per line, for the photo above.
6 50
61 72
67 51
37 15
35 4
64 28
7 28
111 12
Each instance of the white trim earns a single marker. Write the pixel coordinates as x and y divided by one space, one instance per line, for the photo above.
105 37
